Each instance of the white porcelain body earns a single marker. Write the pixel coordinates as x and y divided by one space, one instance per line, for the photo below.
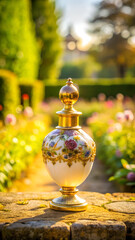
69 156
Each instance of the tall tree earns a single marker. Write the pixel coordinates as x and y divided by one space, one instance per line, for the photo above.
114 24
114 17
117 51
18 47
46 21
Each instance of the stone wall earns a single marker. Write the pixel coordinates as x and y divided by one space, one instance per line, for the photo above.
27 216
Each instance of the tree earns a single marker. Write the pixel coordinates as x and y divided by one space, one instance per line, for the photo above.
114 24
114 17
117 51
46 18
18 48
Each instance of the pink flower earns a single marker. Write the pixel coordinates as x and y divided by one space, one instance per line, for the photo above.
28 112
92 118
118 153
111 121
10 119
117 127
71 144
131 176
120 96
109 104
128 115
101 97
111 129
45 106
120 117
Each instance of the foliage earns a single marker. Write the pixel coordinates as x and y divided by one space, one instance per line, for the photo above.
18 48
35 92
113 132
18 146
122 55
79 69
113 24
114 17
46 21
90 89
108 72
9 93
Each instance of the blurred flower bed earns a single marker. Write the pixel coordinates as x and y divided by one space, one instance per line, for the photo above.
86 107
114 133
21 137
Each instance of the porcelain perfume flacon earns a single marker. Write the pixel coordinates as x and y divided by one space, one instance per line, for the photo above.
68 153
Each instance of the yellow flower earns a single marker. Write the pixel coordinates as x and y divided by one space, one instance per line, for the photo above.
77 137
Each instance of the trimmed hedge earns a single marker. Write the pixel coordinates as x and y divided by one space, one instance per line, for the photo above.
18 46
9 93
35 91
92 81
90 91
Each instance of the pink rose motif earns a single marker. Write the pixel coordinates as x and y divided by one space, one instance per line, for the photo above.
71 144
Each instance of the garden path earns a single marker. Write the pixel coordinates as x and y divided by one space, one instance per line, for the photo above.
37 179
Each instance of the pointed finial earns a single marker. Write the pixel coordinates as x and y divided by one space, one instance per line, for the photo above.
69 81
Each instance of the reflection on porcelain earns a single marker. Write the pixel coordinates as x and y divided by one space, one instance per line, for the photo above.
69 156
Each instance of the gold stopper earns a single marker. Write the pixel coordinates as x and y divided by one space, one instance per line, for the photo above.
68 117
68 94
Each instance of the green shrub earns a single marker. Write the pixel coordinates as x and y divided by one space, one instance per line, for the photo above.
9 93
113 131
18 48
19 146
91 88
35 91
82 68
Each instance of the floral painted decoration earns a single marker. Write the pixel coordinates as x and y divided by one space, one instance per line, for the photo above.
68 146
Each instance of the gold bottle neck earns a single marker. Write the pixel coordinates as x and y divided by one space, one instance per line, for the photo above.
68 119
68 122
68 116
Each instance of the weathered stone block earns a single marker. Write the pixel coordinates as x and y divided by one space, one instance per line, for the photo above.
96 230
130 230
28 216
43 230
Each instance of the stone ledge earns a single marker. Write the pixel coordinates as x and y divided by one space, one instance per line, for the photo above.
27 216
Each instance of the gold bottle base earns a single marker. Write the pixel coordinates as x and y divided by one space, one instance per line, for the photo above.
68 208
69 201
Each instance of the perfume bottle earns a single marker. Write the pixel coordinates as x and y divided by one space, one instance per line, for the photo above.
68 153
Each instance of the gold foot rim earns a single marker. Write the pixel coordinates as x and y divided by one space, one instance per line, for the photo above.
69 208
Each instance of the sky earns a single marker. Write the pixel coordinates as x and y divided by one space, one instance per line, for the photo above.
76 13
